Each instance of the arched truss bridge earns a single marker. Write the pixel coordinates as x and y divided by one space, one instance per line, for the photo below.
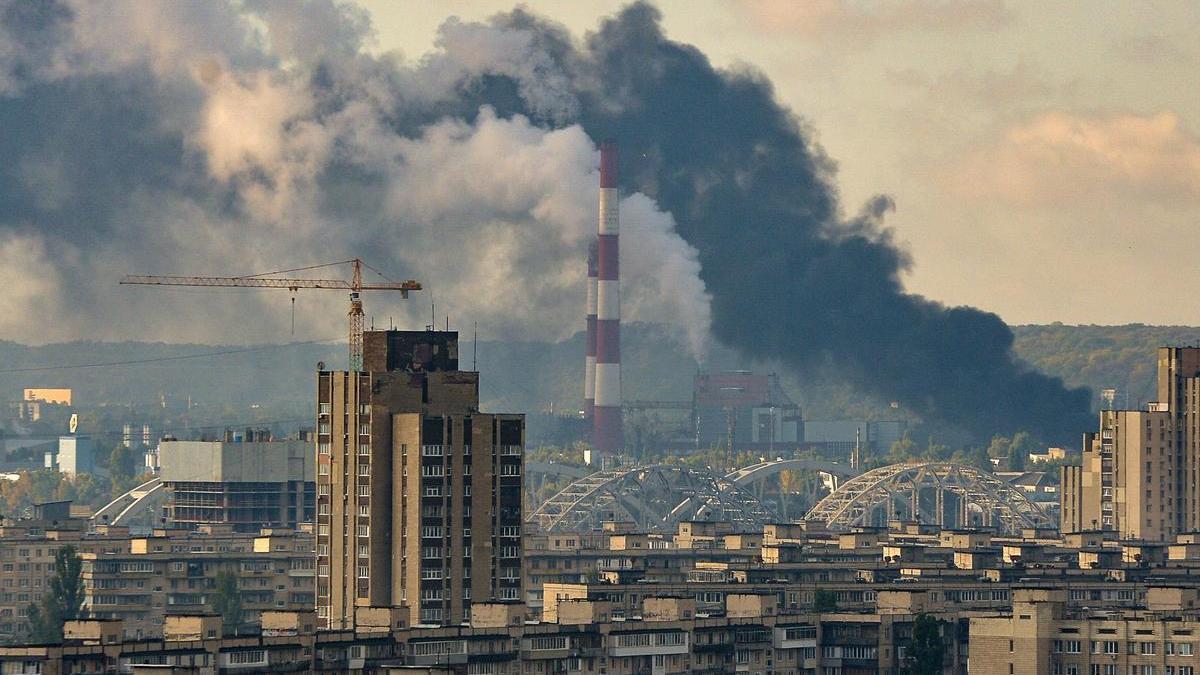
658 497
950 495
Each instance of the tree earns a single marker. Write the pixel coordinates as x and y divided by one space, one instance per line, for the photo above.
122 463
926 652
63 599
789 482
903 449
1022 446
227 601
824 601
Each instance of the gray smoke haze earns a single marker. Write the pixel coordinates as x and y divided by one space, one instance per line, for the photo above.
214 138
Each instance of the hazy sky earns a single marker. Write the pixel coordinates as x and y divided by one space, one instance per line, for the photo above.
1044 157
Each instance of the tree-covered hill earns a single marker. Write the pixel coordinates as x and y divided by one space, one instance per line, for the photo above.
536 377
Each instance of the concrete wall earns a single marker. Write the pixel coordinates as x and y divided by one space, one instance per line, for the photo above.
216 461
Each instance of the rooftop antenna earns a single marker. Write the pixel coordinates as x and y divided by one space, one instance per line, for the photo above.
475 349
447 323
432 314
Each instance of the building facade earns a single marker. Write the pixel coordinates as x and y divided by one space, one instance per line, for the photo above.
1044 637
418 493
247 484
1140 474
142 580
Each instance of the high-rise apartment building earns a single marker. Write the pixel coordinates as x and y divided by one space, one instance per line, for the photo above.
418 493
1140 473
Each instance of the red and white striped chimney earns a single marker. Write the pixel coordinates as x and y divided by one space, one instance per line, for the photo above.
608 436
589 368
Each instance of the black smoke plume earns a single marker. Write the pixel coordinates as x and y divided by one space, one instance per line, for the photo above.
107 169
790 279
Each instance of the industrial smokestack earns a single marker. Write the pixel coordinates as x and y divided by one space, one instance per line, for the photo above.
607 435
589 368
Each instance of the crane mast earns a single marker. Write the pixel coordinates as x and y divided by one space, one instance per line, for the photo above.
267 280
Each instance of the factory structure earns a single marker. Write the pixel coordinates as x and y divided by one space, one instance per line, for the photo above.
602 363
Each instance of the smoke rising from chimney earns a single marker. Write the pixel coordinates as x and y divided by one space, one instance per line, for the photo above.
143 143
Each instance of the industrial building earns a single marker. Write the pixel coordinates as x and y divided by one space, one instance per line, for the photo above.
1140 474
418 493
748 409
247 481
73 455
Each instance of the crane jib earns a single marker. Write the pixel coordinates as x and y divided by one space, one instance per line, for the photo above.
294 284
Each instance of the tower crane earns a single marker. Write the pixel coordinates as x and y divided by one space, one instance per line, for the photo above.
269 280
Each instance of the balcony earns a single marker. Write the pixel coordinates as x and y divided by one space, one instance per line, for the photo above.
648 644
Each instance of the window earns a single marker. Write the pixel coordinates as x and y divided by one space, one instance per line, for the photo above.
431 574
431 531
364 469
364 572
364 551
431 450
364 448
364 530
364 510
253 656
433 491
432 471
431 553
322 469
323 447
364 429
510 469
324 408
364 490
1148 648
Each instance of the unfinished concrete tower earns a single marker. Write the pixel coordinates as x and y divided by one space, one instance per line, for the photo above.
607 432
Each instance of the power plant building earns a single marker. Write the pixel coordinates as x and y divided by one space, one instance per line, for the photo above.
418 493
751 410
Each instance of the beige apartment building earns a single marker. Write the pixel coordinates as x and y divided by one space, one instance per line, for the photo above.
173 572
1043 637
1140 473
418 493
143 579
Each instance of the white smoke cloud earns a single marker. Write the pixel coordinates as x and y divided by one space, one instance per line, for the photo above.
291 156
32 290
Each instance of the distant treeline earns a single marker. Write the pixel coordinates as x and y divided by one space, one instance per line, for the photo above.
541 377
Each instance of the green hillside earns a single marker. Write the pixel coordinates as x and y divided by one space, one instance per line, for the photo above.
276 382
1121 357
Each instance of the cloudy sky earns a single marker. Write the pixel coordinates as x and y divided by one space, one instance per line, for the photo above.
873 185
1044 157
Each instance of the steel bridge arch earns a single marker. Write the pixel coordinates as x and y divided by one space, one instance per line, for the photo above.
771 468
656 497
863 499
